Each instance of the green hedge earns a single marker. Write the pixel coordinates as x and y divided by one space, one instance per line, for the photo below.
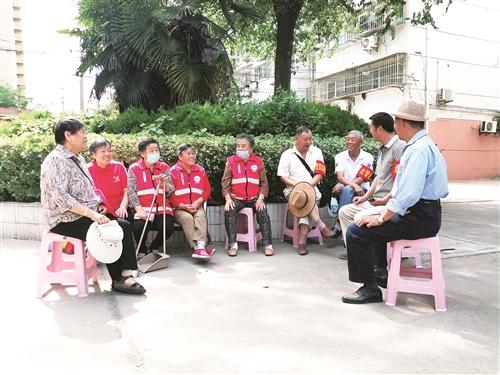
21 157
279 115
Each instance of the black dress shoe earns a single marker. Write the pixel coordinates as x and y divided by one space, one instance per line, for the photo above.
336 232
381 276
363 295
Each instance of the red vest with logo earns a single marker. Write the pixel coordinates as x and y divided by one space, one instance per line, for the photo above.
245 183
146 186
189 186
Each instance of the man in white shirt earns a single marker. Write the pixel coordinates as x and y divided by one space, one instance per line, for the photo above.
291 170
353 168
374 200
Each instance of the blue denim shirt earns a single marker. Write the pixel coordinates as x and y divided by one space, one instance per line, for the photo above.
421 174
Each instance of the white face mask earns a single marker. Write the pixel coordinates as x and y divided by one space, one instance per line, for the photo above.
244 154
153 158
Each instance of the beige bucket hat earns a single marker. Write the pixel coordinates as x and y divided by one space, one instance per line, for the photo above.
302 199
411 110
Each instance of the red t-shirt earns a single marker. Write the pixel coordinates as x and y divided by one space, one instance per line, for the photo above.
111 181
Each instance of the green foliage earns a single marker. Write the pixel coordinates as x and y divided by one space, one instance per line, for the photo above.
154 53
281 114
36 122
21 158
20 161
12 98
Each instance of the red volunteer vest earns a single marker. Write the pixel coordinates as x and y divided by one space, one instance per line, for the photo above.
189 186
245 183
146 186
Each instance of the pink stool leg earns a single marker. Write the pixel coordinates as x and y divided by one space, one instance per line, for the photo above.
44 254
251 233
81 271
393 277
438 277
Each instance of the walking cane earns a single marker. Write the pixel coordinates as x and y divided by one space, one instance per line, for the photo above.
164 222
147 219
153 261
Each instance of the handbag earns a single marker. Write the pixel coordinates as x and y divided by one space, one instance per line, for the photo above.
326 193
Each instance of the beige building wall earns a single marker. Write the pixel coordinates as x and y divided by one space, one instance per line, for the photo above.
7 45
18 36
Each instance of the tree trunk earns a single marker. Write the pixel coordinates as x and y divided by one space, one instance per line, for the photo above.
286 12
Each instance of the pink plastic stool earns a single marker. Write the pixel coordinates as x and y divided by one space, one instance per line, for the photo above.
251 236
59 271
408 252
423 280
293 232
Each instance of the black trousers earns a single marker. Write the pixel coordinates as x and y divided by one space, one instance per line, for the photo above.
78 229
231 221
156 224
366 246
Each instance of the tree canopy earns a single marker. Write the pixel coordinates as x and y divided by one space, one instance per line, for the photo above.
293 29
156 53
12 98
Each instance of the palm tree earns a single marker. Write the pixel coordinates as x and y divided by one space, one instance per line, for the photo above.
156 53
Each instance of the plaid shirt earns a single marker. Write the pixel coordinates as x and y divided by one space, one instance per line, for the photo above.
63 185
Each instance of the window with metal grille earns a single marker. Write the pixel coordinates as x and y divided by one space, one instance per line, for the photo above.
367 24
389 71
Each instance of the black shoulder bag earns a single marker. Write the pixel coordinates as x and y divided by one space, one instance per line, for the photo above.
326 193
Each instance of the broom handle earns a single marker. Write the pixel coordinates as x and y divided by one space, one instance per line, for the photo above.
147 219
164 223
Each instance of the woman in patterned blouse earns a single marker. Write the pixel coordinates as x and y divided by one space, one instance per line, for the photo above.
70 204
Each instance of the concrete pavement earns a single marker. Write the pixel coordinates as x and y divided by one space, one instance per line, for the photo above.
257 314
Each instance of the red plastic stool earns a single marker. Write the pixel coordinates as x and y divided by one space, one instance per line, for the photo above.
293 232
423 280
59 271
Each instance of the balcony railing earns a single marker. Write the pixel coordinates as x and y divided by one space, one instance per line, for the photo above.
386 72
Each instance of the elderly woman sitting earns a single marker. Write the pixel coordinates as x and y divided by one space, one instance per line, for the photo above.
192 188
70 205
110 178
144 177
244 184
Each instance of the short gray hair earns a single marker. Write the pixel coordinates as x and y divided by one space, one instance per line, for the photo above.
246 137
357 133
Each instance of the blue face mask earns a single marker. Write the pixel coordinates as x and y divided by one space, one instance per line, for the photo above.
153 158
243 154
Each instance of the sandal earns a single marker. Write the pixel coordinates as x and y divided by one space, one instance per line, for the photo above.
268 251
232 252
121 285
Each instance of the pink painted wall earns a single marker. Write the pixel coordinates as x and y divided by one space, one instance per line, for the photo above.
469 156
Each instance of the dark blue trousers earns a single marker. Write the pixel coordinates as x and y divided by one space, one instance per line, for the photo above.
366 246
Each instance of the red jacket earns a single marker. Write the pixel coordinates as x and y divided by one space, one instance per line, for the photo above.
145 186
189 186
245 183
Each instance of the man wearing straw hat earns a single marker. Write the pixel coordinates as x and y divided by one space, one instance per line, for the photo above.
303 164
413 212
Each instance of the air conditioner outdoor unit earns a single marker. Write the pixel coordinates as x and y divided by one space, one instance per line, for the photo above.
445 96
488 127
369 43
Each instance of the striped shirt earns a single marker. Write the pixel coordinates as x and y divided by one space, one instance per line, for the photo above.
63 184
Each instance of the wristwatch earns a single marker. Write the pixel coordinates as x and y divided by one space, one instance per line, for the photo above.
380 219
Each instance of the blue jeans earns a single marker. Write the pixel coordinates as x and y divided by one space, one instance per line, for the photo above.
346 196
366 246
